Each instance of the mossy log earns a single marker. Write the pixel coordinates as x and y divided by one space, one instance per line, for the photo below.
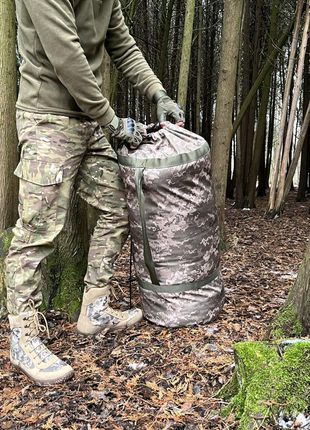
270 379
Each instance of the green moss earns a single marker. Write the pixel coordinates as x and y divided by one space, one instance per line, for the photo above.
250 358
5 242
65 284
286 324
269 382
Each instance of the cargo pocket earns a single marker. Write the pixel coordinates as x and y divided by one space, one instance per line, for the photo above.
38 194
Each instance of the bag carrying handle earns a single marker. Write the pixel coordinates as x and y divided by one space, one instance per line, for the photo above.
146 245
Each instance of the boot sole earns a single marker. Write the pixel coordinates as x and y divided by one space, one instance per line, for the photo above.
104 331
43 383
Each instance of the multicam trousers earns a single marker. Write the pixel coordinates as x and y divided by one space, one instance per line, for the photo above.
57 154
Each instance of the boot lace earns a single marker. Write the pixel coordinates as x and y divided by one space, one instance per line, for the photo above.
35 328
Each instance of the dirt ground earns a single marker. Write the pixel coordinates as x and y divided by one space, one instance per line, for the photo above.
151 377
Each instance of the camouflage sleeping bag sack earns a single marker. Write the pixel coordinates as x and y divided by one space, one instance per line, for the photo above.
174 228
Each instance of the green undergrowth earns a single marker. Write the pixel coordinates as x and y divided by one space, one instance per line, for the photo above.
268 379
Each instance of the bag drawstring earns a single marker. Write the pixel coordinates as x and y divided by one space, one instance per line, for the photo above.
130 274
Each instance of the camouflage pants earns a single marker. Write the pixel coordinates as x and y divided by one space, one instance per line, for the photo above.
57 154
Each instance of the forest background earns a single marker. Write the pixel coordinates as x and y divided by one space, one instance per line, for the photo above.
240 69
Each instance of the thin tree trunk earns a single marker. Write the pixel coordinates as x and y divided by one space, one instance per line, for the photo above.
271 129
261 189
171 87
262 76
8 137
274 181
165 40
280 195
243 130
208 97
253 105
199 68
261 124
186 52
224 106
301 194
300 143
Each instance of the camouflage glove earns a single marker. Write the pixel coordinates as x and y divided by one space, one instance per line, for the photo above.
126 130
167 107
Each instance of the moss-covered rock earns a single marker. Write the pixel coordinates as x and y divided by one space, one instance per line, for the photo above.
5 241
269 378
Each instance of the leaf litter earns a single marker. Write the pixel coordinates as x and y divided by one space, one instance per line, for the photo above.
152 377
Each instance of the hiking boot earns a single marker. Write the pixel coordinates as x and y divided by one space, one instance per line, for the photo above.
29 354
96 314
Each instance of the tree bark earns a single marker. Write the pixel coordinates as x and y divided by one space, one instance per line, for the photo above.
224 105
186 52
208 97
64 270
280 200
261 123
165 40
301 194
8 136
299 146
199 68
274 181
243 130
262 76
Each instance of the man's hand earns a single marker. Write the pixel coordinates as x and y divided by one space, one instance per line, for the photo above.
167 107
127 130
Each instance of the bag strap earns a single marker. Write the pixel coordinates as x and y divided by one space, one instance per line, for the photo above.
180 288
146 245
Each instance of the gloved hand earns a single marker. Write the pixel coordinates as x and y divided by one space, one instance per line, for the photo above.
127 130
167 107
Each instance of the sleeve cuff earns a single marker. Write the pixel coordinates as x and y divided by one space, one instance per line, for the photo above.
150 92
105 119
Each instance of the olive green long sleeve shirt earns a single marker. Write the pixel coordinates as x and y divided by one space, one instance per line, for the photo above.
62 44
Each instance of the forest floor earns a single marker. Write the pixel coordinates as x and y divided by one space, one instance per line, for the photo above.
151 377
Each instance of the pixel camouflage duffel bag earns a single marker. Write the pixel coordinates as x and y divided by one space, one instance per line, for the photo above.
174 227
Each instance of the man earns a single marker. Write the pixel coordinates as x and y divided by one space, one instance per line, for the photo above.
60 116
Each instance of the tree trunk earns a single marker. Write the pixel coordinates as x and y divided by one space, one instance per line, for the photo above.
259 140
301 194
274 181
208 97
165 40
262 76
186 52
271 130
243 130
8 137
64 270
299 146
199 68
224 105
261 188
171 87
279 205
